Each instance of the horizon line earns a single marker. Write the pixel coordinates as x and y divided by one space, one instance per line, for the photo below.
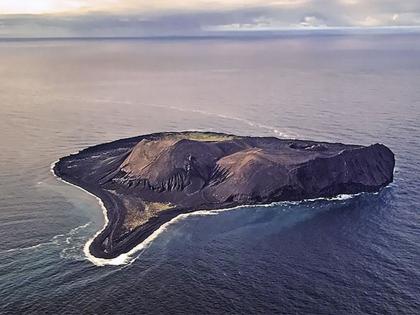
246 33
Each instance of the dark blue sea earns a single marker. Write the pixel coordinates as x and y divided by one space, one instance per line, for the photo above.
351 255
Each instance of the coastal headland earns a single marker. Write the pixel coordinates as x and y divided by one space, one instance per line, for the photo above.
148 180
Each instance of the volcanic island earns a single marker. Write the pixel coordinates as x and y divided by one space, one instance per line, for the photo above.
148 180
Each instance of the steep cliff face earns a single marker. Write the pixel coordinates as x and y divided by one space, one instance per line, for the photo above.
148 180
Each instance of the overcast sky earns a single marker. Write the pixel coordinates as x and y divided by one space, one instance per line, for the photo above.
46 18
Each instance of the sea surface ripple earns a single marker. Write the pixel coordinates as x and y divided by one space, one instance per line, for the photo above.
349 255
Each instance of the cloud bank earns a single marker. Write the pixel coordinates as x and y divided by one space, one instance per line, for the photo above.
83 18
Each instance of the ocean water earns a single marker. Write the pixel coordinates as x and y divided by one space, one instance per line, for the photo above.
358 255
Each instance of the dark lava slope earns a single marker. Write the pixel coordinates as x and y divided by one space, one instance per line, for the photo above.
148 180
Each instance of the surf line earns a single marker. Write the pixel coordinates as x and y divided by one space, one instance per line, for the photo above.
127 258
276 131
89 256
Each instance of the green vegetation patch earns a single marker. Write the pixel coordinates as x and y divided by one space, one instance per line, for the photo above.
204 136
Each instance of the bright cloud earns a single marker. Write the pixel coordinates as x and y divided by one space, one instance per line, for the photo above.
118 6
195 17
38 6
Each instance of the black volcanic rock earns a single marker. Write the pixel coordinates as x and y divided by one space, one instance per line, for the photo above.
148 180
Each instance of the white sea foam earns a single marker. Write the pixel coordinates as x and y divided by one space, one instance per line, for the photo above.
89 256
55 240
76 229
21 249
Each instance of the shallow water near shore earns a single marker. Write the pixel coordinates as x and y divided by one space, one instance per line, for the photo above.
346 256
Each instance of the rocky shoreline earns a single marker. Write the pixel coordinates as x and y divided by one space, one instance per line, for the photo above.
149 180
